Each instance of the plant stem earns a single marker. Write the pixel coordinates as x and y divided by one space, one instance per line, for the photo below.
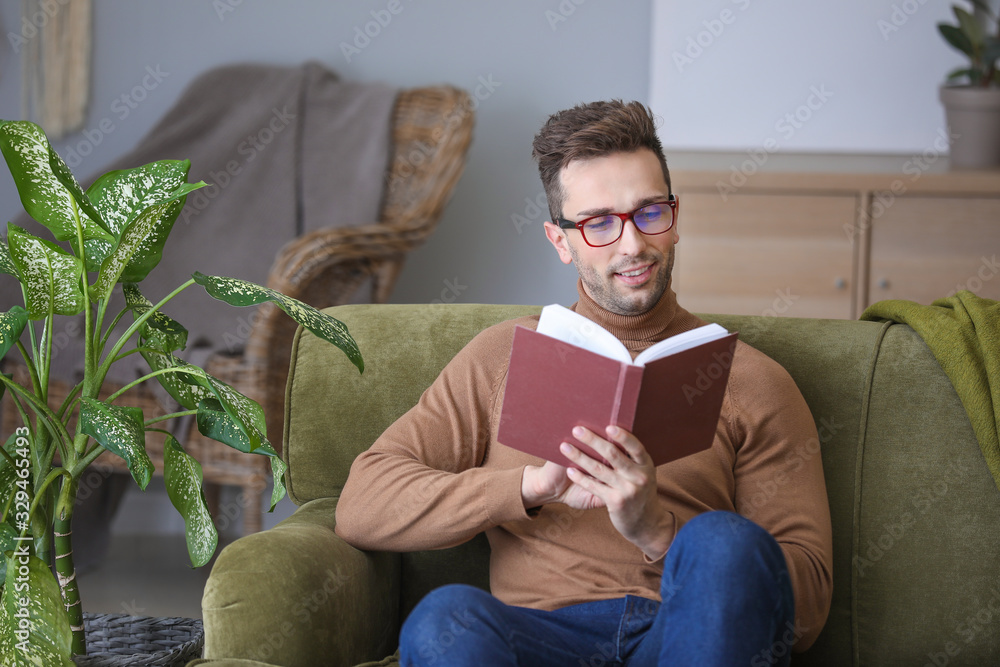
111 357
172 415
66 571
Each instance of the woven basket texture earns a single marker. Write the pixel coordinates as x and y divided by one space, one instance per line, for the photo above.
117 640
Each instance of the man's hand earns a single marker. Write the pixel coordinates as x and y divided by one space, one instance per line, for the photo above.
626 486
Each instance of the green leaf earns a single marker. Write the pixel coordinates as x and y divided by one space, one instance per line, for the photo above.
34 627
43 194
159 331
6 263
181 386
214 422
182 476
954 36
140 247
119 429
983 6
8 542
123 195
51 277
278 491
962 72
237 292
970 27
12 323
97 226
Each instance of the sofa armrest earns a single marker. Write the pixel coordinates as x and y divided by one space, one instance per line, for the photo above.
297 596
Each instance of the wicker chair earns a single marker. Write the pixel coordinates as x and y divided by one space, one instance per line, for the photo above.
431 133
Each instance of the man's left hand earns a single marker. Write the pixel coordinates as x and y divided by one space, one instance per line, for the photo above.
626 486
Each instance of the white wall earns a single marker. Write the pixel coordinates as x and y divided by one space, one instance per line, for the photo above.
858 76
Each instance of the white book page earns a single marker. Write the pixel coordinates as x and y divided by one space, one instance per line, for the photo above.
571 327
680 342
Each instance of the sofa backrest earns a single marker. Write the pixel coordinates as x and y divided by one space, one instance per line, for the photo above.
916 515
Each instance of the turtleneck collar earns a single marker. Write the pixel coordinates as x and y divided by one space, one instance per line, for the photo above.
638 332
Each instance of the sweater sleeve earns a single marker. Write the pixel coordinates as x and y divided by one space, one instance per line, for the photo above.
779 482
421 485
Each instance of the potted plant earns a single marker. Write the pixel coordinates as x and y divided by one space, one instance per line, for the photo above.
106 239
971 96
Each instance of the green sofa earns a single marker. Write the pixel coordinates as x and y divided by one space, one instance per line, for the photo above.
916 514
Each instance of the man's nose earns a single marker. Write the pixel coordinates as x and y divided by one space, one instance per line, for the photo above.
632 240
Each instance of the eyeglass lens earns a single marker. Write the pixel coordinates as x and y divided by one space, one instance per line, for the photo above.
652 219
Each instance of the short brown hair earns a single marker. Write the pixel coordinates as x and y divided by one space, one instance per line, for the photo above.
589 131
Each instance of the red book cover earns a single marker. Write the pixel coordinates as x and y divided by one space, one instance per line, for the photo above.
671 404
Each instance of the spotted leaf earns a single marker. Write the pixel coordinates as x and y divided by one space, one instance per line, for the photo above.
214 422
122 196
237 292
51 277
182 476
119 429
34 626
12 323
159 331
41 178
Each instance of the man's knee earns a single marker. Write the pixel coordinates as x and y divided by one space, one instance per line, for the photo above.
443 618
729 538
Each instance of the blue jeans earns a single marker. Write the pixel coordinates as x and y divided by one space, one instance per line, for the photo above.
726 601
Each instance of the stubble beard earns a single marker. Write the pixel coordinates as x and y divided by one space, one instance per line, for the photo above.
602 289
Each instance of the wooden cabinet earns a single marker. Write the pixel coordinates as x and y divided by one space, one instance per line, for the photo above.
808 243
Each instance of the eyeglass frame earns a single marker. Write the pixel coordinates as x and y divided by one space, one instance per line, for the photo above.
672 202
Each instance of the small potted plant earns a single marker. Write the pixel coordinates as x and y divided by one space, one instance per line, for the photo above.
971 96
106 240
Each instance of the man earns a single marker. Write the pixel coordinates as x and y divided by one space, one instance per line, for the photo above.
720 558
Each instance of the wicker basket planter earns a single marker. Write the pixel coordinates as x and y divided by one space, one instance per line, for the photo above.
117 640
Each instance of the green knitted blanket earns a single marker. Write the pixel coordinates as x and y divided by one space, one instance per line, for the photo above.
963 332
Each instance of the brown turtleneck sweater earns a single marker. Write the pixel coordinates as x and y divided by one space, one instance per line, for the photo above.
438 476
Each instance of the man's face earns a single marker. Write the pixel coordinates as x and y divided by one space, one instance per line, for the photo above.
617 183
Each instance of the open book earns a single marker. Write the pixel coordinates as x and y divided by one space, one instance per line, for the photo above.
571 371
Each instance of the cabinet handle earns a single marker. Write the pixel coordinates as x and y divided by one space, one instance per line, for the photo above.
883 283
839 283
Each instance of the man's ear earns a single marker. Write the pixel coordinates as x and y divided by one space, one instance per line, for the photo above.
557 237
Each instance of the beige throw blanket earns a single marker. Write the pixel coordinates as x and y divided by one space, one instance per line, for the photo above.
286 150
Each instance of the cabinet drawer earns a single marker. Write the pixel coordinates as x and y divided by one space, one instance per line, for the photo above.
924 248
766 254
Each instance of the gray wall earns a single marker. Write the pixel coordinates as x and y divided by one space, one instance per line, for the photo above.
537 65
600 50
